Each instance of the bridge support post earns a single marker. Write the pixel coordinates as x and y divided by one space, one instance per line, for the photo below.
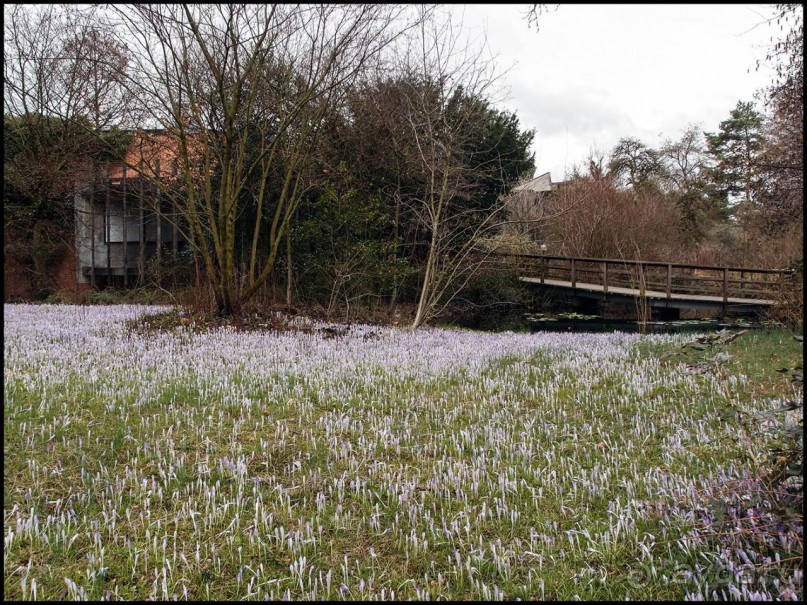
725 290
669 281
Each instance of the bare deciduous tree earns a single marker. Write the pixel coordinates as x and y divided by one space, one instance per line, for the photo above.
593 218
534 12
244 90
446 81
685 177
63 77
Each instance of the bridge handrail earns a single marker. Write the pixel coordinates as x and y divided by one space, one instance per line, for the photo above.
646 263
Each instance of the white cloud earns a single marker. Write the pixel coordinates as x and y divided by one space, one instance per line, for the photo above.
595 73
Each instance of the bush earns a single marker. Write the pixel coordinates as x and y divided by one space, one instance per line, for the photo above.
491 300
788 309
105 297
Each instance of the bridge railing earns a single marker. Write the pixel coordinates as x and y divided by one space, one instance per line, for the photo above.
668 278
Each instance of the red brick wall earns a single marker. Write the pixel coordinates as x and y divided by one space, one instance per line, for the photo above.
17 284
16 280
65 271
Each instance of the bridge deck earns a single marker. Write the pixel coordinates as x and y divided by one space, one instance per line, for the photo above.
617 290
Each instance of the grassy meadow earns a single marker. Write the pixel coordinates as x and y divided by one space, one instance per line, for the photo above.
370 463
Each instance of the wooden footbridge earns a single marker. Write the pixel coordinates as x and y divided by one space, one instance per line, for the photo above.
664 286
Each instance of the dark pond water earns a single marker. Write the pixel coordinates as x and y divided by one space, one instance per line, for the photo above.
621 325
572 322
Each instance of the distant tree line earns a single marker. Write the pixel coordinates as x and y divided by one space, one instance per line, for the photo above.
349 153
724 197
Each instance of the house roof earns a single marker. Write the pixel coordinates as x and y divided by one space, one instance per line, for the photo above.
539 183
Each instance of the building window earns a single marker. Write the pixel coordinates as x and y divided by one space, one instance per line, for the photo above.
113 225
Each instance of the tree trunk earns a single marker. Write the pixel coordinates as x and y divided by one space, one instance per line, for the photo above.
39 256
396 241
289 268
426 289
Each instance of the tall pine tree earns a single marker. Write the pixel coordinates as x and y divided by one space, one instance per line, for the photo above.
735 149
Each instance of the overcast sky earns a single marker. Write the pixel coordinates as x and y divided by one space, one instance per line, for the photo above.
593 74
